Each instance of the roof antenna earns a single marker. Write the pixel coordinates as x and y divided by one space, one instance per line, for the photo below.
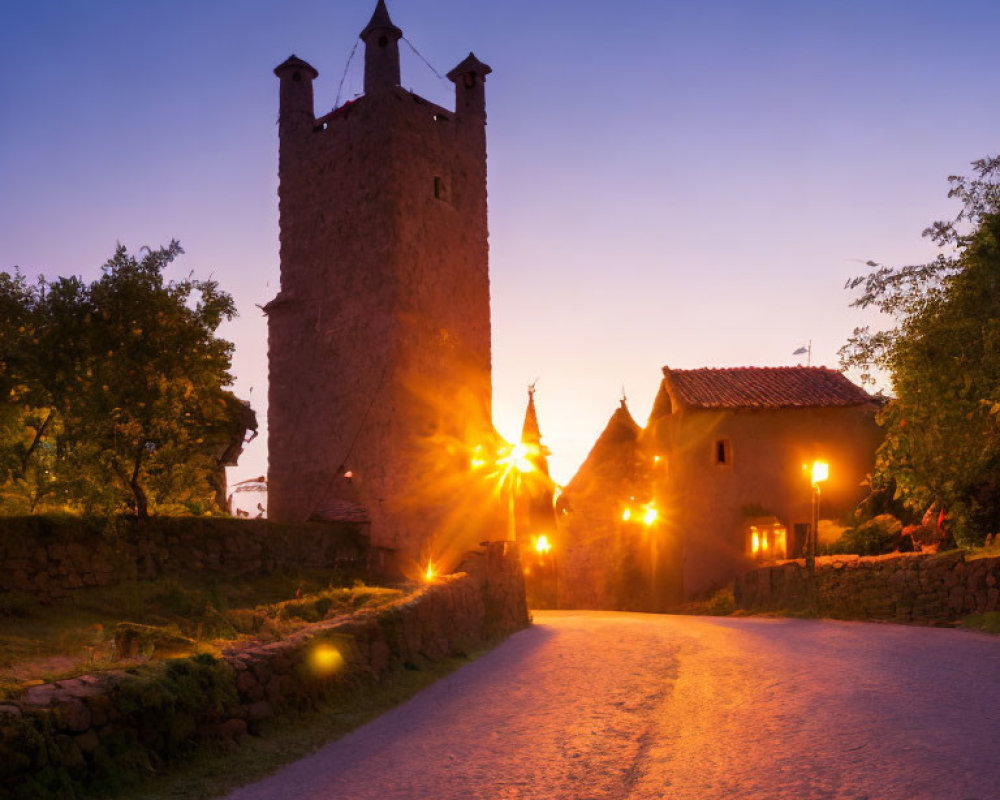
808 351
624 397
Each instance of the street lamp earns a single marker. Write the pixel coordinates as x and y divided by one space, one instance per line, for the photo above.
820 472
544 547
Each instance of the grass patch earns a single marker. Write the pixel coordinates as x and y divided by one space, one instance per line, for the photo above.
987 622
991 550
73 636
720 604
208 773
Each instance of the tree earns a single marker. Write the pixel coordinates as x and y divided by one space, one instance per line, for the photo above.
942 440
130 370
25 416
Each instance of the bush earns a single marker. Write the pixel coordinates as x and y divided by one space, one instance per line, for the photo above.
872 538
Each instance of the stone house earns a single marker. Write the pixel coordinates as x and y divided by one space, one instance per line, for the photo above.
718 481
606 560
379 338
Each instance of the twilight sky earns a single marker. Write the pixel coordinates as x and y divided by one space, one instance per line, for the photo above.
686 183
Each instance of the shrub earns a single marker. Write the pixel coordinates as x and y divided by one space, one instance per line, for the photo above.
872 538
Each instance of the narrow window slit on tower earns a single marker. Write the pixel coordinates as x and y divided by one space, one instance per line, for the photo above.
296 76
440 189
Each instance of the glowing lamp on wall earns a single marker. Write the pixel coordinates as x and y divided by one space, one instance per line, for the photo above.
820 472
543 545
519 457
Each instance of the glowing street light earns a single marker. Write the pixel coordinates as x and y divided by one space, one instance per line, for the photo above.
543 547
820 473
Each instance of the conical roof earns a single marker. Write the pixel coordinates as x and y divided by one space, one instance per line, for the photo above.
530 432
621 429
380 21
615 451
470 64
293 62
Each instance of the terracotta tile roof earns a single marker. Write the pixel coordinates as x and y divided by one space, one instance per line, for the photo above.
763 387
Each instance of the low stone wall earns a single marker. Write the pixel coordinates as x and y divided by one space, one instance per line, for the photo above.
902 587
85 732
49 557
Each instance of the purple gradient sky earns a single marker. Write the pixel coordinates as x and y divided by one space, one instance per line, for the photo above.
685 183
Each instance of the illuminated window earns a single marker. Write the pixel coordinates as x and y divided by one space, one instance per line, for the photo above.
723 452
767 542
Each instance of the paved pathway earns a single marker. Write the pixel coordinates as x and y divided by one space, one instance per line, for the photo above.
613 706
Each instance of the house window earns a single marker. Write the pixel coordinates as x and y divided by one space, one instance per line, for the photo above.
767 542
723 452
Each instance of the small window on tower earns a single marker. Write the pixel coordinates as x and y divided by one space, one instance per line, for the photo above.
723 453
470 80
383 41
440 188
296 76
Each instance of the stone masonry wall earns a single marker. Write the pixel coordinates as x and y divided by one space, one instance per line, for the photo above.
910 587
79 732
379 340
51 557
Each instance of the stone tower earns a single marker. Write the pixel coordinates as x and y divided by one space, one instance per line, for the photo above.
379 339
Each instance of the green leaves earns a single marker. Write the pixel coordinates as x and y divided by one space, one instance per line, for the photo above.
131 368
942 440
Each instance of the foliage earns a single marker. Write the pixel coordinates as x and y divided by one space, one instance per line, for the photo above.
721 603
168 701
872 538
942 440
114 392
987 622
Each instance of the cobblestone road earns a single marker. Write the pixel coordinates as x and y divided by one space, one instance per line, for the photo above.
613 706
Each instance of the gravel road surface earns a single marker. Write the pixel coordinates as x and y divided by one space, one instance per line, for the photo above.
611 706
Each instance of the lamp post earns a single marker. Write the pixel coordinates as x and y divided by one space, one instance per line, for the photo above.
820 472
544 548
